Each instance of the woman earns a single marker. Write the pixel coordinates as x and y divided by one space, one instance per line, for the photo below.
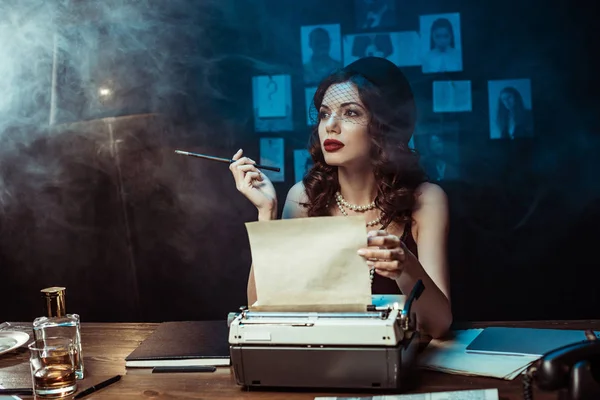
512 118
363 166
443 55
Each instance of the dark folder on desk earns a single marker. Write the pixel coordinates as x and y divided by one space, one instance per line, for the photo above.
186 343
522 341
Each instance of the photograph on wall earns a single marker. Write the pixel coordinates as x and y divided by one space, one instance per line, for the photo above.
441 49
311 113
302 164
437 143
271 96
272 153
321 51
452 96
401 48
510 107
373 14
272 103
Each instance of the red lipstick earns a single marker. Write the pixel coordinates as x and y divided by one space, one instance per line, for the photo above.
331 145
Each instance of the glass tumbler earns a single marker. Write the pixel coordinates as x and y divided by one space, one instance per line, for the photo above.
52 362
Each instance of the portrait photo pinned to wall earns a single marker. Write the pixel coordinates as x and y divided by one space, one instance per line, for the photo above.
321 51
302 164
272 153
510 106
441 49
272 103
401 48
372 14
437 143
452 96
309 93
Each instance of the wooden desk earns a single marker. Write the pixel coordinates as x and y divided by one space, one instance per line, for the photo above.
105 346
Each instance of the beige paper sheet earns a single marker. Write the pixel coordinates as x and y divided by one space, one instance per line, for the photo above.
310 264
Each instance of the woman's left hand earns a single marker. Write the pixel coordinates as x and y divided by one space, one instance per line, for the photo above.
386 253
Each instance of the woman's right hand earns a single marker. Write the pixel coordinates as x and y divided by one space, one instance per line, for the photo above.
253 184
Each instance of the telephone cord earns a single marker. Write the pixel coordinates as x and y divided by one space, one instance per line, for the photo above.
527 384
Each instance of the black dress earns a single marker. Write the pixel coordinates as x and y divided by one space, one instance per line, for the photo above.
383 285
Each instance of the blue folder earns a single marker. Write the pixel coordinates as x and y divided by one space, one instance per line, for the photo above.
523 341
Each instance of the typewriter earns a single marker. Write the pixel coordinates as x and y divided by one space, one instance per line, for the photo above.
374 349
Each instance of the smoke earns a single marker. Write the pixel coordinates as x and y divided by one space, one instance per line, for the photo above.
95 96
66 61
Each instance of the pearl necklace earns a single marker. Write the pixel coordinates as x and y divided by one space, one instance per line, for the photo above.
353 207
341 203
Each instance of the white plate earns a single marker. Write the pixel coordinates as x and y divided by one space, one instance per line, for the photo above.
12 340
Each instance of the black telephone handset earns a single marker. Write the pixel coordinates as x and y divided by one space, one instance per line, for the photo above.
573 370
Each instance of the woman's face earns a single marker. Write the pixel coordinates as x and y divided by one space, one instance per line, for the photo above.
441 38
343 126
320 42
508 100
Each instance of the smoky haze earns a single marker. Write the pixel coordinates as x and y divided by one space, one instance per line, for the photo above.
95 97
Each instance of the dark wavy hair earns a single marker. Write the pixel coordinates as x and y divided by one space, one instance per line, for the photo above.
396 166
502 113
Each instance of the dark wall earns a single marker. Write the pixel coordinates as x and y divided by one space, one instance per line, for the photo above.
134 232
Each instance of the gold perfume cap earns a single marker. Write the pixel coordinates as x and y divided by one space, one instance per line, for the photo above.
55 301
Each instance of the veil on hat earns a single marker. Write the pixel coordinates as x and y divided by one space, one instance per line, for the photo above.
397 109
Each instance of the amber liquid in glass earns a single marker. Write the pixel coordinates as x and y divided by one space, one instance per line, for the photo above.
68 327
54 376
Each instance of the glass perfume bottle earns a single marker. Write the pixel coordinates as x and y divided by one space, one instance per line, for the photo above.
58 323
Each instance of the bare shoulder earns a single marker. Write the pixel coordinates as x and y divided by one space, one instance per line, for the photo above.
296 197
430 194
431 206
